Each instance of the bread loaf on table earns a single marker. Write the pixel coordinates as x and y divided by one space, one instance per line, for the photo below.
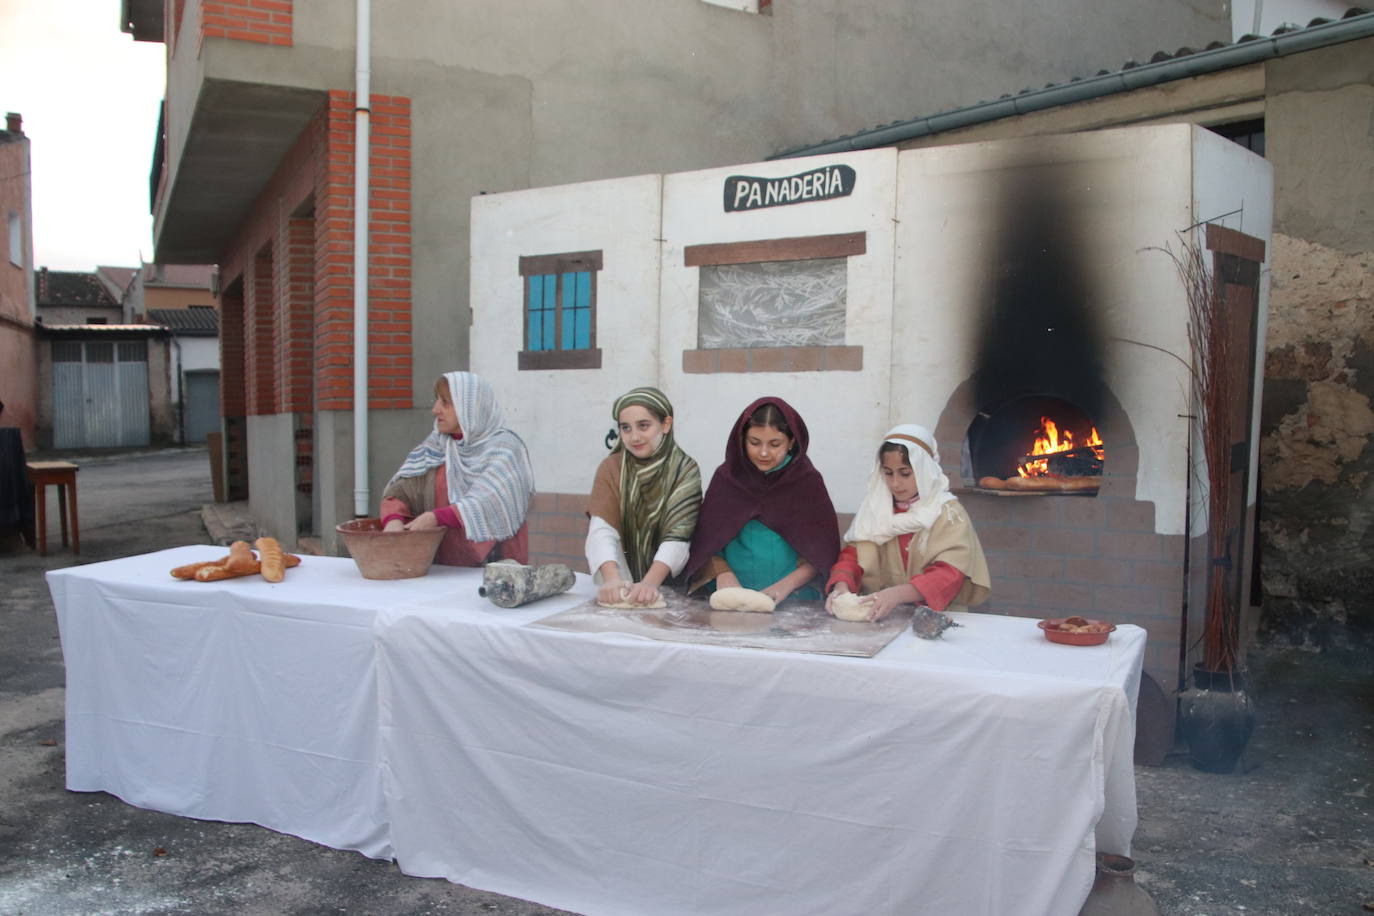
215 573
273 563
190 569
241 561
194 571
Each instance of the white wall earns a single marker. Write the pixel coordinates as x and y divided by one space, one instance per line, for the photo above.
1236 189
841 408
564 414
197 353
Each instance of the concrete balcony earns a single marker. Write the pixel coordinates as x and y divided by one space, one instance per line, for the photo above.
235 106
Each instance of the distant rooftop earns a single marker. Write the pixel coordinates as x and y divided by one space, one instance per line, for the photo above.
196 321
69 287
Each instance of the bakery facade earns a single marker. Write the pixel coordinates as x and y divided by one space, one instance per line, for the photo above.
999 293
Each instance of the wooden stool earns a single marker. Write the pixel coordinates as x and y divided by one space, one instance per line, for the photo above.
61 474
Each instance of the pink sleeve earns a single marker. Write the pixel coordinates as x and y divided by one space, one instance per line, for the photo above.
938 584
449 517
393 508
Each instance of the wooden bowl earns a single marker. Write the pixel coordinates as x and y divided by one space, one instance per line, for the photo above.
390 554
1053 633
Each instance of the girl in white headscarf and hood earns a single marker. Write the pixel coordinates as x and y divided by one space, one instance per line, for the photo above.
911 541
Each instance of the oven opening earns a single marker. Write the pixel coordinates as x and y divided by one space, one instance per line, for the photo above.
1036 444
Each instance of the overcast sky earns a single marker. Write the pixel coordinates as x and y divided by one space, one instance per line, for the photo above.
89 96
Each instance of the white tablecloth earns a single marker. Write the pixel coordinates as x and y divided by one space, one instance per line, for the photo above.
237 700
603 773
615 775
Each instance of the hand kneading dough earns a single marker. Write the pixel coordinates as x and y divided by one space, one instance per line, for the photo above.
624 605
741 599
850 606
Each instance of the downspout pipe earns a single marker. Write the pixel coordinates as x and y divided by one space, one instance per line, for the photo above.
362 494
1240 54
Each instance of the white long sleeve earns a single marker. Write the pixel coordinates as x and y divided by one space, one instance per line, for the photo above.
603 545
673 554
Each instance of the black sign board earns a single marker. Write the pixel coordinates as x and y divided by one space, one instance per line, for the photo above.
744 192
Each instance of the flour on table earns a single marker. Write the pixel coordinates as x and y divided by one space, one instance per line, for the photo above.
624 605
849 606
741 599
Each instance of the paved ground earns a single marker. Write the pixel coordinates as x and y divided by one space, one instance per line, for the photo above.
1291 834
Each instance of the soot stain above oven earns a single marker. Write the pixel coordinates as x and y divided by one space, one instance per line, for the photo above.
1039 332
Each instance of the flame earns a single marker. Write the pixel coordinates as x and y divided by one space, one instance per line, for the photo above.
1049 440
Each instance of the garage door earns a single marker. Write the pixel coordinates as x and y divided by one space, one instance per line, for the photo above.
100 393
202 405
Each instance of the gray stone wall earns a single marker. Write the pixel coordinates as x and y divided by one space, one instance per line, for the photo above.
1317 502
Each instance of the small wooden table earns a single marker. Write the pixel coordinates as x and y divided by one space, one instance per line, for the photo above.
61 474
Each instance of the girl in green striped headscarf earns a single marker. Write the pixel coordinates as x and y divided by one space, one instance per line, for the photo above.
644 503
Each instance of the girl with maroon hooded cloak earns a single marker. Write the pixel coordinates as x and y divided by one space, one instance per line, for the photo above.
766 522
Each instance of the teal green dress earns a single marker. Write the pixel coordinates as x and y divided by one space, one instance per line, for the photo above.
759 556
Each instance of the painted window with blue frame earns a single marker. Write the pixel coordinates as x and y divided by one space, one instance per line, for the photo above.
559 311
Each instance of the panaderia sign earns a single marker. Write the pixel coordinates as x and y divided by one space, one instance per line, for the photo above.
745 192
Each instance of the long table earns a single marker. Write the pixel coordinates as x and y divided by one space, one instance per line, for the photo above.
598 772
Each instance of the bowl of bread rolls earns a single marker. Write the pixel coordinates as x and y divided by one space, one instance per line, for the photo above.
1076 631
390 554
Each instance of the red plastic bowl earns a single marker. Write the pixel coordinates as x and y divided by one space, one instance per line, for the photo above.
1054 634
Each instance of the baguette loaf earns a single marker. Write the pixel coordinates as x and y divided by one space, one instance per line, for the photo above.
215 573
241 560
190 569
273 563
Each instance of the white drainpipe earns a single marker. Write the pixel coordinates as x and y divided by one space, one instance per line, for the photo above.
361 492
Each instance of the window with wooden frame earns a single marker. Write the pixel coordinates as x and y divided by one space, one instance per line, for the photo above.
560 311
773 305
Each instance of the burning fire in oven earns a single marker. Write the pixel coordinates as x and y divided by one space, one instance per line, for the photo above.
1055 452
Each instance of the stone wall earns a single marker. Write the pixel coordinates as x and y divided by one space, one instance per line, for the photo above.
1316 539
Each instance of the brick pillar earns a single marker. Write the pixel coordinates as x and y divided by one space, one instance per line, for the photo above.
260 345
390 363
295 316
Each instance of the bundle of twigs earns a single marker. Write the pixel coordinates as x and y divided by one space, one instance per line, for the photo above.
1218 394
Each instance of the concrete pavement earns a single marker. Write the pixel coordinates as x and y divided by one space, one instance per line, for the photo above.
1292 834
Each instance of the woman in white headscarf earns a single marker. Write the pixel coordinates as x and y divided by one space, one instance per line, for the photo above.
911 541
471 475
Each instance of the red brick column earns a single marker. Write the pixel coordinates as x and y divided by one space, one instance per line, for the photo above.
295 316
390 364
259 336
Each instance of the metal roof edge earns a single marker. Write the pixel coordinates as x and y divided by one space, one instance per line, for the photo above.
1246 51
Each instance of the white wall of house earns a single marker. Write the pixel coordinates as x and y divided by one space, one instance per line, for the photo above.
197 354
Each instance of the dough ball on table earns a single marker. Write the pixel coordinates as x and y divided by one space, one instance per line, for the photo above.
741 599
850 606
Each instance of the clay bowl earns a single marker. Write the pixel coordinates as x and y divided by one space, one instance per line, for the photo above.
389 554
1054 634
